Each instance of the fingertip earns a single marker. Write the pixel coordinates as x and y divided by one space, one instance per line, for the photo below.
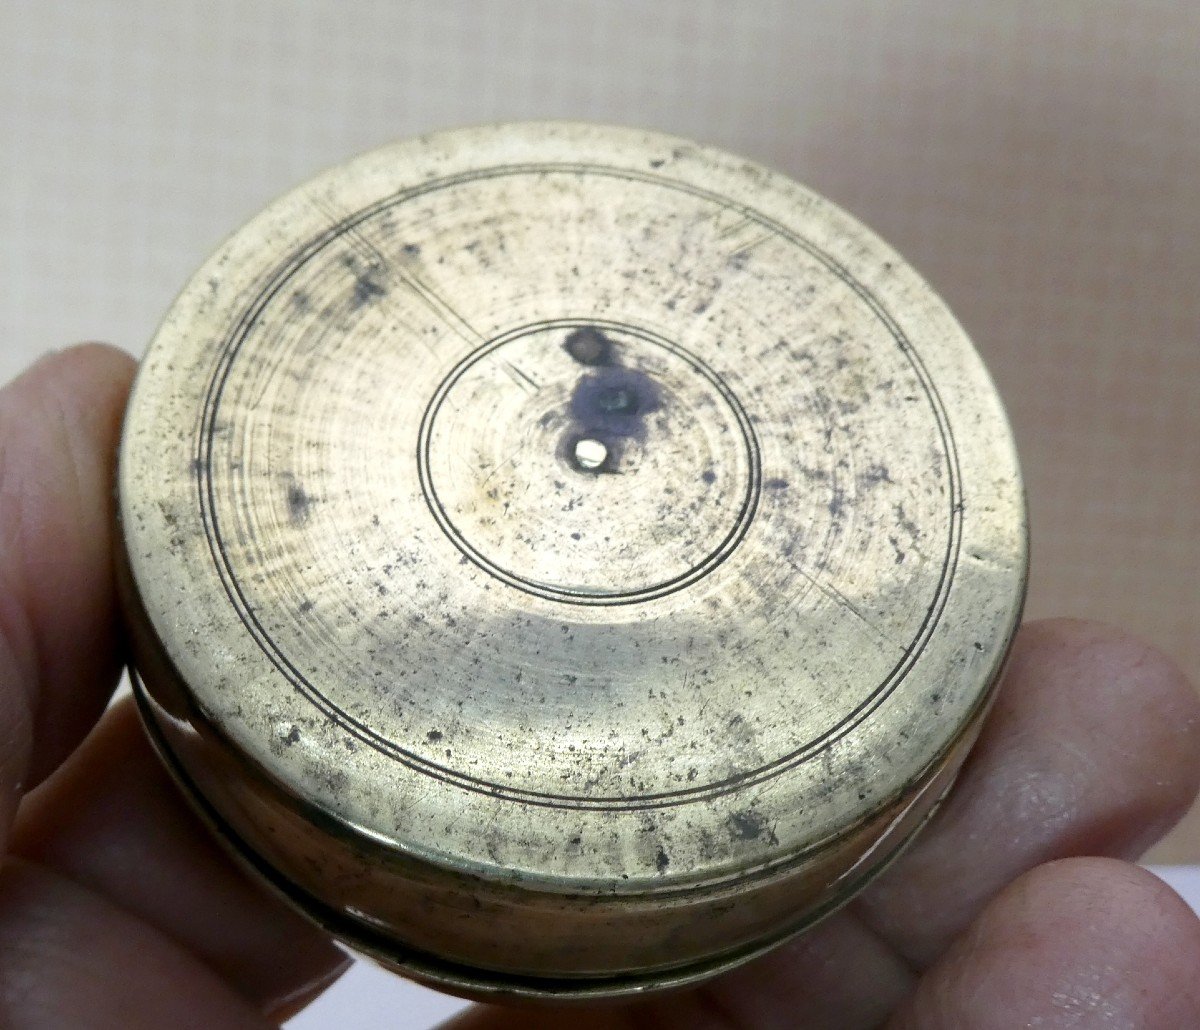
1108 903
1073 942
71 400
1094 884
92 364
1135 701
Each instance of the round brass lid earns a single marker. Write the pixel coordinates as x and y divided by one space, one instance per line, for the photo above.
565 558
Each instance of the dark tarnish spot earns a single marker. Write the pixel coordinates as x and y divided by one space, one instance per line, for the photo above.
906 523
366 289
411 250
589 346
776 484
433 736
298 502
661 859
875 474
615 400
293 736
608 406
750 825
709 476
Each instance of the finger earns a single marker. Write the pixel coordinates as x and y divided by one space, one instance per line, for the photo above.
1093 748
1078 943
59 658
70 959
111 820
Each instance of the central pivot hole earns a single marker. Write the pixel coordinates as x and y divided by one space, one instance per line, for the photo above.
576 431
590 454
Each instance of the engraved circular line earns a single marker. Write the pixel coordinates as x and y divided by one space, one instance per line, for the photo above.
454 776
206 431
664 587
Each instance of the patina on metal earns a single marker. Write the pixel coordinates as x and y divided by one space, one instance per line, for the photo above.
565 560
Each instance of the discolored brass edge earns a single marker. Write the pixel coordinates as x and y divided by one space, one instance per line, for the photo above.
483 985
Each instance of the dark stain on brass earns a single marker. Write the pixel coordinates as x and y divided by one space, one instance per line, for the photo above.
608 405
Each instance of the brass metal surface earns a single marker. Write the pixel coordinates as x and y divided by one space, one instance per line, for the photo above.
565 559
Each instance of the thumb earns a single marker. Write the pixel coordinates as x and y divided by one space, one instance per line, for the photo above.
59 653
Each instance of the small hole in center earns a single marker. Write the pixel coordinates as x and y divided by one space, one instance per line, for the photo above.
589 453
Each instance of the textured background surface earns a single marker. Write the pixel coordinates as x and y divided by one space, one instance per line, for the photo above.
1038 163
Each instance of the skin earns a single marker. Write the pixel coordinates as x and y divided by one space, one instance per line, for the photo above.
1018 907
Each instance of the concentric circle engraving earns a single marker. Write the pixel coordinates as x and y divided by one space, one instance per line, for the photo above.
608 419
370 347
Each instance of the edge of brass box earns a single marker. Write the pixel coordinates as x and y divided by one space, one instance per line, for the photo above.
564 560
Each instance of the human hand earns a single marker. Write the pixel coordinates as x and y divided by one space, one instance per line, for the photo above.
117 910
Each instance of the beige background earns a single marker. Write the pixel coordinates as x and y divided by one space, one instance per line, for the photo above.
1039 162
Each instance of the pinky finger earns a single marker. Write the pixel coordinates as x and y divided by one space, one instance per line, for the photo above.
1079 943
